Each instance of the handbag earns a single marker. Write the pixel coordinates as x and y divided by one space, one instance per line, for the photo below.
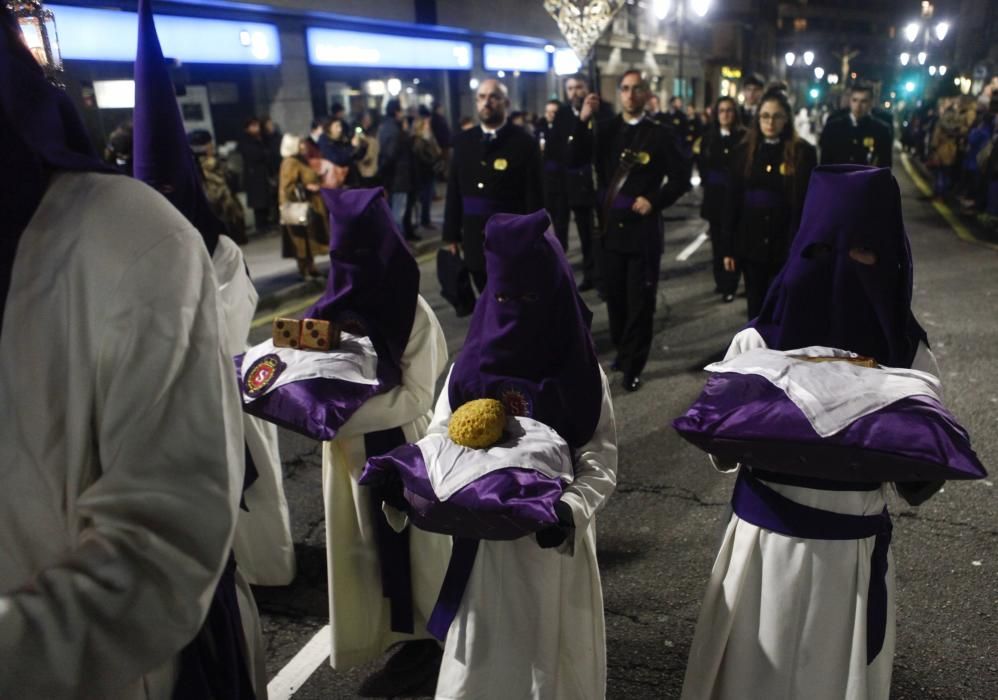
455 282
296 213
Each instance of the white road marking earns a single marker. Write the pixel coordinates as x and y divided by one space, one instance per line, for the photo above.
292 677
692 247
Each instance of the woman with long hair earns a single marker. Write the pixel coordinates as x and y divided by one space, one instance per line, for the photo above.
340 152
769 176
299 182
717 149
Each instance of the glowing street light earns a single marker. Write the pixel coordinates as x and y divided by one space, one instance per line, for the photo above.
700 7
833 78
809 57
909 86
549 48
790 57
942 70
394 86
819 72
660 8
932 70
905 57
941 30
921 58
911 31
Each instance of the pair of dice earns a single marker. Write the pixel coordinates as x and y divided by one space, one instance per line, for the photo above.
305 334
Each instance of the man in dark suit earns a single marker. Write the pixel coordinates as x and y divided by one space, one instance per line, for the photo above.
857 137
752 87
640 173
496 168
569 188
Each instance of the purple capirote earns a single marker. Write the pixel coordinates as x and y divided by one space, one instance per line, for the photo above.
162 157
529 343
373 278
822 296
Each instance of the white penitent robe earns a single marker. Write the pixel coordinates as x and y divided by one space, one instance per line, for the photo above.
358 613
121 442
263 544
531 624
784 618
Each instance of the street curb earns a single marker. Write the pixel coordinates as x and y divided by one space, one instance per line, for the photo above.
919 174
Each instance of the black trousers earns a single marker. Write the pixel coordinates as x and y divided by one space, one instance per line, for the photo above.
726 282
561 213
478 277
758 277
630 303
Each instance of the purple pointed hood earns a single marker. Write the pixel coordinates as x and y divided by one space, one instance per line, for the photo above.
373 277
40 134
529 344
824 297
162 156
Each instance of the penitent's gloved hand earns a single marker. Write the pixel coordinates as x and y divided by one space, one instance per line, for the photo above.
554 535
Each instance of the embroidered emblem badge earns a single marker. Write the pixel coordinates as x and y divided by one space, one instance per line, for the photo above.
869 142
516 401
262 374
644 157
500 164
785 169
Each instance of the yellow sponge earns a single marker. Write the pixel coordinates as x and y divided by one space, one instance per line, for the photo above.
477 424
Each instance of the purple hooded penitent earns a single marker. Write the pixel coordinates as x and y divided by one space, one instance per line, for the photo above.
374 284
824 297
40 134
373 278
162 156
529 344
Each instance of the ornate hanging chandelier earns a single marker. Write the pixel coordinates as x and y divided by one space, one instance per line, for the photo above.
582 22
39 34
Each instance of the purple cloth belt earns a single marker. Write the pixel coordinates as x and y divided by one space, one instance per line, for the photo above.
462 561
764 199
756 503
622 201
482 206
717 177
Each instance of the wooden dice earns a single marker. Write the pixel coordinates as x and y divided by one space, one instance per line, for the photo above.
287 332
306 334
319 335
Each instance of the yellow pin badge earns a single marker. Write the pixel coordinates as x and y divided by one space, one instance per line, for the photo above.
868 142
644 157
785 169
500 164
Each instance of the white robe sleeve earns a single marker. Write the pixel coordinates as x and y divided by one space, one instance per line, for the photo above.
745 340
925 361
158 516
422 362
595 468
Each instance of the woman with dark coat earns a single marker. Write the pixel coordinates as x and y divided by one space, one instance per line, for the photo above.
770 171
257 172
343 150
717 148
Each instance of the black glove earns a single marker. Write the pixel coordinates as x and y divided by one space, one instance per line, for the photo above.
554 535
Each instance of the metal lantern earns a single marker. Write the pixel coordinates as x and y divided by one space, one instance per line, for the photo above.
39 33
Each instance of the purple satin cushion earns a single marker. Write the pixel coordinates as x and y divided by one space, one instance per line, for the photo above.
504 505
745 418
316 408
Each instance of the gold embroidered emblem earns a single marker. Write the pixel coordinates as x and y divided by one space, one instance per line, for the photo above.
785 169
644 157
500 164
869 142
262 374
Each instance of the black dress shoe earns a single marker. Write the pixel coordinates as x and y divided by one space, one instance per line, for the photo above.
632 383
728 298
412 669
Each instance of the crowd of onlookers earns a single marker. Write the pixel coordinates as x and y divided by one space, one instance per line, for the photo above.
954 137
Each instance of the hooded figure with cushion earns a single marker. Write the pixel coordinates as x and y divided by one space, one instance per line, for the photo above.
801 598
531 613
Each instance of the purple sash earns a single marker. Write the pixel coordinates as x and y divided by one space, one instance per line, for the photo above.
756 503
717 178
764 199
482 206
